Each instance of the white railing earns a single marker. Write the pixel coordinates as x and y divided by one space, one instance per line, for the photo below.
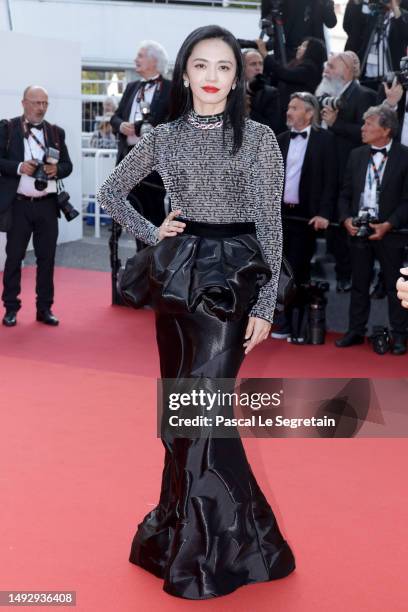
97 164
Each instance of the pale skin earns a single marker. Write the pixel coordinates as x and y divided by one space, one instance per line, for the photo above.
299 117
146 67
212 63
35 105
372 134
402 288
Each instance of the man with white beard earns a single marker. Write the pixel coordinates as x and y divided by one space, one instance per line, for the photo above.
340 78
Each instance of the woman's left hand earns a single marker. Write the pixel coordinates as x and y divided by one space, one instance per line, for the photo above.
257 331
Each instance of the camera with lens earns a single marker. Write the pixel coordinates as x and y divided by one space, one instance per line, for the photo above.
333 102
144 125
51 156
66 207
363 223
377 7
401 75
256 84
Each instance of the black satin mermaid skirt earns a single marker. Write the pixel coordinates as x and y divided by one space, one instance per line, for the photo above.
212 530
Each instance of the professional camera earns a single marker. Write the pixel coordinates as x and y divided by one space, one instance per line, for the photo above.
144 125
377 7
363 223
401 75
267 29
51 156
332 102
66 207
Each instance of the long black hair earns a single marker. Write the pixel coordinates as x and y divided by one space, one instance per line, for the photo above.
181 100
315 52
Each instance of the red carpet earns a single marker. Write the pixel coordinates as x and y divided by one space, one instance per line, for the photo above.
81 466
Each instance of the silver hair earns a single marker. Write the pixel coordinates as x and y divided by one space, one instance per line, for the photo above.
156 51
311 103
387 118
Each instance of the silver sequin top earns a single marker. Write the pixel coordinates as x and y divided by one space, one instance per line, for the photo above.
208 184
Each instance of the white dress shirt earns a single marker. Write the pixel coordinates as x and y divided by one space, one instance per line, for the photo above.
369 199
404 134
135 113
32 150
294 165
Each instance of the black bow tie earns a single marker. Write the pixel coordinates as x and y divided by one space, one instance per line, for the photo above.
150 81
382 151
36 126
295 134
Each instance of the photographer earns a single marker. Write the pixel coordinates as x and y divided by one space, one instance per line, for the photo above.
378 32
344 121
262 100
302 74
394 95
373 201
301 19
33 155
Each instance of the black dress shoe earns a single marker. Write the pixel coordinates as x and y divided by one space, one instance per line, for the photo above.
399 346
10 318
46 316
343 286
349 339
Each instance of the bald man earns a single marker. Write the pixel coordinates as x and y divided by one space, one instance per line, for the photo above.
25 143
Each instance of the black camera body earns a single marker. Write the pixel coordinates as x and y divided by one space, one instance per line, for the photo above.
401 75
363 223
378 7
51 156
257 84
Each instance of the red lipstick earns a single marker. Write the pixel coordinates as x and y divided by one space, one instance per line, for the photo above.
210 89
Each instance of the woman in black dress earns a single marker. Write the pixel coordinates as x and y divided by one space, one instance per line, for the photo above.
213 273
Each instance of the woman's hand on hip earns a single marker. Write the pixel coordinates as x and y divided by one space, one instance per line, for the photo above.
169 227
257 331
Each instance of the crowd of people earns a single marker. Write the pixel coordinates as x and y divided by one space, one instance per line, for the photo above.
342 127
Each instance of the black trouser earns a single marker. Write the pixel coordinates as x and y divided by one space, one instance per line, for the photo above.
337 245
299 243
37 218
390 254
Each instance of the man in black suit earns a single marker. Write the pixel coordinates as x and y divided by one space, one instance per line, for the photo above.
376 183
262 100
24 141
359 23
302 18
152 90
310 187
340 79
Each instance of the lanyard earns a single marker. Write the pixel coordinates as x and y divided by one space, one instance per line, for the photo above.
377 172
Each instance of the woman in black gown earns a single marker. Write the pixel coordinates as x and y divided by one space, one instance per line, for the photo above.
213 272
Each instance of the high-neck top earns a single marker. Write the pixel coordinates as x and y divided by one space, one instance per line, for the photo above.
207 183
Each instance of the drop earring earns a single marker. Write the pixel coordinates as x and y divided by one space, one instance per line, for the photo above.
234 86
186 83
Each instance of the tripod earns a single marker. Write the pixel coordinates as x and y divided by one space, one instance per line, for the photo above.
378 37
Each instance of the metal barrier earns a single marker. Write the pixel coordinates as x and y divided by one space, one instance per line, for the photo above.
97 164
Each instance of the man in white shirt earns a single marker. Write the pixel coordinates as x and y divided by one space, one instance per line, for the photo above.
33 155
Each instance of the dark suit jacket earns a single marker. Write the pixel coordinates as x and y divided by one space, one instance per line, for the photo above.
394 186
303 18
159 110
359 27
12 154
347 128
318 182
265 107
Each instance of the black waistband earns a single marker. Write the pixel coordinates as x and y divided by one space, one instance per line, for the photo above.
20 196
217 230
